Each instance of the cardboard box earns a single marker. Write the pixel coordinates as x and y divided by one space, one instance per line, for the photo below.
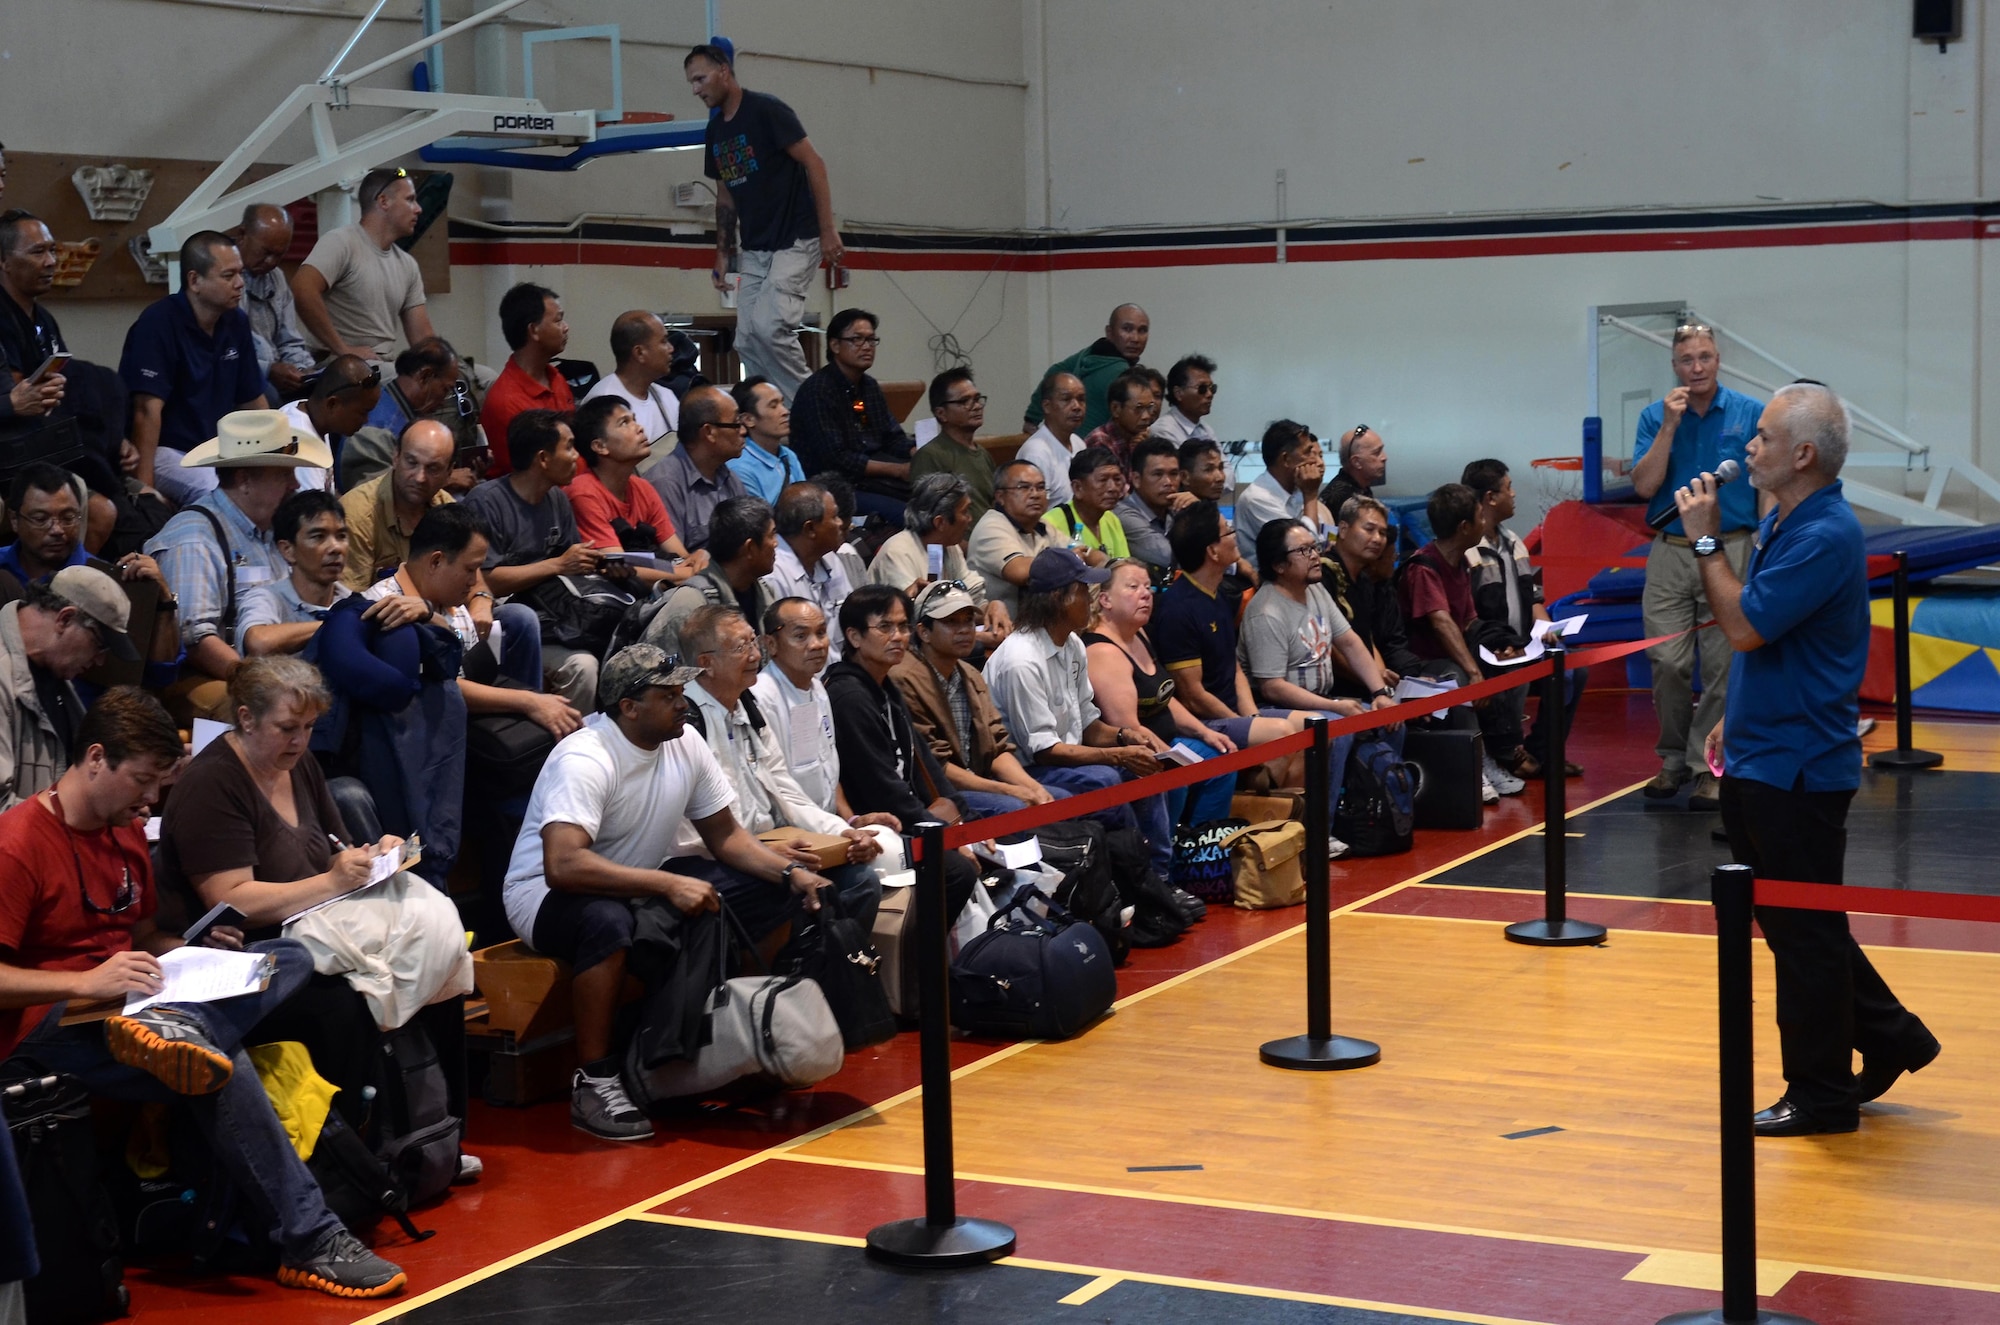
832 850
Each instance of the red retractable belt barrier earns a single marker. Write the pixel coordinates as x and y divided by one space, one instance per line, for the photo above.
1877 901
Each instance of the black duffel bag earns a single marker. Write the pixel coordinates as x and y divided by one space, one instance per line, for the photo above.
833 949
75 1225
1031 977
1076 849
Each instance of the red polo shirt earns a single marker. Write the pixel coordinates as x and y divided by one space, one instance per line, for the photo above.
512 392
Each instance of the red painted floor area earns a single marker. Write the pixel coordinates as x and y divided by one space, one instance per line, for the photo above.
544 1179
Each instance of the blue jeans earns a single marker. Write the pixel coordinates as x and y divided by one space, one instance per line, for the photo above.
988 804
520 643
238 1121
1148 814
1211 798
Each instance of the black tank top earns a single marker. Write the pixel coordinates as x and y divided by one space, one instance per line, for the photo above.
1156 688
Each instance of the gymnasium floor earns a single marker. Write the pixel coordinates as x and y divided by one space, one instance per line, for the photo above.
1537 1144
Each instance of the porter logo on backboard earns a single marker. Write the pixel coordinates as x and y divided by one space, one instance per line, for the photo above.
535 123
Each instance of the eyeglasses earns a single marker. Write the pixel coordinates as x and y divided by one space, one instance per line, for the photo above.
890 628
860 340
1310 550
39 520
1025 487
967 401
736 425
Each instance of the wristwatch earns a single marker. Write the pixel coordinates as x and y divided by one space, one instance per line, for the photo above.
785 874
1706 546
1382 693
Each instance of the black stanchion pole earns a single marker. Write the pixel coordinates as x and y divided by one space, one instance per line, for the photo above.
942 1238
1903 758
1555 929
1319 1049
1732 887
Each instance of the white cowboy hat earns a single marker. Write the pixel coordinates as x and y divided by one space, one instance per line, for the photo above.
258 437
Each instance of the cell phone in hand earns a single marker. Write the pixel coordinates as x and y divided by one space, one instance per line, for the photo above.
221 914
51 366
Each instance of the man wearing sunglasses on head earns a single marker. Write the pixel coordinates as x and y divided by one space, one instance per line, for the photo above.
1364 464
77 927
336 406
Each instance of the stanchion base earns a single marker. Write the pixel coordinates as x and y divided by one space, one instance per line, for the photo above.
1568 934
1898 761
923 1245
1335 1053
1717 1318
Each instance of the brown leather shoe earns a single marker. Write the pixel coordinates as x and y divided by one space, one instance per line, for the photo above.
1667 784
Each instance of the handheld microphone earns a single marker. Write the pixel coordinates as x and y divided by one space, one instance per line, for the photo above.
1724 472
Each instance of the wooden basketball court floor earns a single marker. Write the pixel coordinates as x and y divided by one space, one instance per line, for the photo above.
1536 1145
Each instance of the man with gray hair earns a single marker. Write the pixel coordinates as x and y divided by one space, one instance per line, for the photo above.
262 238
1798 625
809 534
1698 425
938 514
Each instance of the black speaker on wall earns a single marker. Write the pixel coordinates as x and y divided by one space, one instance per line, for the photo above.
1941 21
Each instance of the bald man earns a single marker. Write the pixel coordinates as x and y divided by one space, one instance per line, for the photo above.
1120 348
642 357
263 239
383 512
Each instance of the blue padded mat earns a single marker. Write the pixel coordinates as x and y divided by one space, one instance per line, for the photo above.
1934 550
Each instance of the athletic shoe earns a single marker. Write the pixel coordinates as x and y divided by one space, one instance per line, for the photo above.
1667 784
1706 794
1863 727
171 1047
469 1169
600 1106
1335 848
340 1266
1501 780
1487 794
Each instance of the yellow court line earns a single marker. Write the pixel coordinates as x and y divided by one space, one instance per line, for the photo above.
1103 1278
1091 1290
1373 1221
903 1097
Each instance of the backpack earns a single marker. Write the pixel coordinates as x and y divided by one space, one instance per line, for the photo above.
1378 801
75 1224
1076 849
419 1137
579 611
1201 858
1158 917
355 1183
1032 977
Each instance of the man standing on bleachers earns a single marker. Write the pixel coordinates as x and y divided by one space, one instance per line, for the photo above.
1691 432
772 198
189 359
357 291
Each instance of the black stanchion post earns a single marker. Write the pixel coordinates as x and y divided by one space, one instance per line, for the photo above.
1733 887
1903 758
1555 929
1319 1049
942 1238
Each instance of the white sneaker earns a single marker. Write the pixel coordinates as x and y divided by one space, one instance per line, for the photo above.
1500 779
1335 848
469 1169
1487 794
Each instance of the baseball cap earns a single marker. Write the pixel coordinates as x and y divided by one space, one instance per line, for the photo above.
1058 568
942 598
102 601
627 673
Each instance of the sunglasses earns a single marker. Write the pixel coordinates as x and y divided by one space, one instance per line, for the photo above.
1354 434
1689 330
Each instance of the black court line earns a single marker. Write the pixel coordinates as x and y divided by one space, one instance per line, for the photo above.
1164 1168
1532 1131
639 1272
1932 831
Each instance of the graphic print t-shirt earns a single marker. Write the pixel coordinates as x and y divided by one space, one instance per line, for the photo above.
774 202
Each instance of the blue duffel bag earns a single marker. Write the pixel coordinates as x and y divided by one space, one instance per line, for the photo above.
1032 977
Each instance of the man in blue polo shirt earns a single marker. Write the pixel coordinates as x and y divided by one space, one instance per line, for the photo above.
1791 759
190 359
1700 424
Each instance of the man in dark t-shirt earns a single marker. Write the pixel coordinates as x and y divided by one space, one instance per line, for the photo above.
771 198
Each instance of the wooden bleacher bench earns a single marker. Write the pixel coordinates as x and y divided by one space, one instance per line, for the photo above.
525 1027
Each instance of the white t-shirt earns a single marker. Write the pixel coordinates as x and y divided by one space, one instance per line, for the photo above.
659 413
629 800
310 476
801 721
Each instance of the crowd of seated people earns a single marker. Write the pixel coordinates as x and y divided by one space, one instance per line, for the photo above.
628 637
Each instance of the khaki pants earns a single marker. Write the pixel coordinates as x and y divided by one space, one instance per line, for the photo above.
1675 601
770 307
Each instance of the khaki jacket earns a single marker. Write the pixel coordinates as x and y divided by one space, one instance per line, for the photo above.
31 758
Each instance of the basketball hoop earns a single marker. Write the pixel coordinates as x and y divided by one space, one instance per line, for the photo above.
1557 479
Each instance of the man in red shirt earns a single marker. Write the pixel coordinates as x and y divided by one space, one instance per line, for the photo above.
1435 591
76 926
607 491
531 318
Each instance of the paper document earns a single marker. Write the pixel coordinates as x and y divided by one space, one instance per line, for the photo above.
1537 634
934 560
1423 687
1566 627
385 866
153 829
203 975
1178 754
900 879
206 730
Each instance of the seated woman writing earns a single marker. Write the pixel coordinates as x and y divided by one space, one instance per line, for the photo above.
250 823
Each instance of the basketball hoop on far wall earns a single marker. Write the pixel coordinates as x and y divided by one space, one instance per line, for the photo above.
1557 479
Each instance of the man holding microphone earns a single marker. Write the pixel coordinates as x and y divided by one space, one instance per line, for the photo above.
1798 626
1692 431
